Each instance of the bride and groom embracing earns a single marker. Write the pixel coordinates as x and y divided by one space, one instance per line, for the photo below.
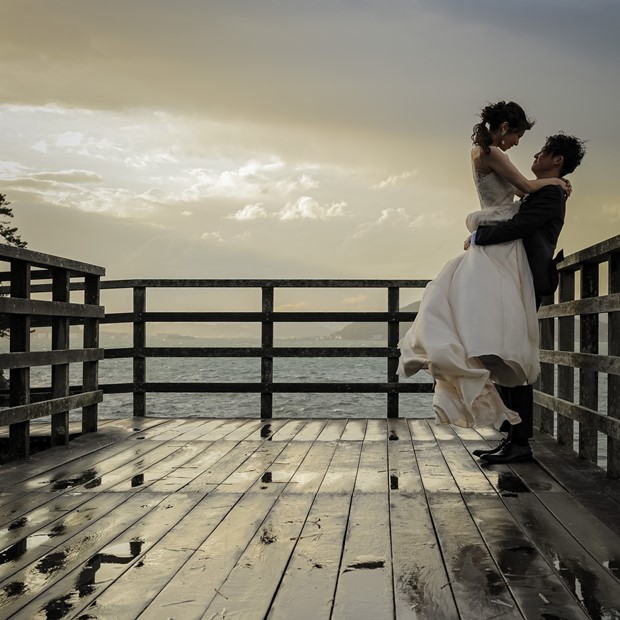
476 331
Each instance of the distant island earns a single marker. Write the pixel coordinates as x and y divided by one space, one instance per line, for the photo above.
373 331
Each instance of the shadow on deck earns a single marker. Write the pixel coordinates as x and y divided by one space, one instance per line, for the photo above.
337 518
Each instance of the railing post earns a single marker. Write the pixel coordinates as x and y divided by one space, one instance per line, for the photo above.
392 343
90 377
588 379
19 393
566 374
613 381
546 383
266 371
60 372
139 343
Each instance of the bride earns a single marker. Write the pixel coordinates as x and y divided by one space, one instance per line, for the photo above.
477 322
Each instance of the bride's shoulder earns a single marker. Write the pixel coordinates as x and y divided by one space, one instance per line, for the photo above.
496 153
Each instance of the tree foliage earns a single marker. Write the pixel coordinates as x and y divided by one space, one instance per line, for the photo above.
8 232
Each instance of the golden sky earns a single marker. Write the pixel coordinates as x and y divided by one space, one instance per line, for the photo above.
282 139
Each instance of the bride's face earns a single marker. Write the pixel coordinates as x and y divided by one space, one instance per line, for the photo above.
510 139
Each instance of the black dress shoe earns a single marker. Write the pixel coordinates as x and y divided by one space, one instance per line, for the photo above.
510 453
498 447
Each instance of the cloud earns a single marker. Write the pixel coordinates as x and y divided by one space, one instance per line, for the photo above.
10 169
212 236
300 305
252 179
126 154
588 28
307 208
401 219
69 138
68 176
357 300
70 189
612 211
249 212
304 182
40 146
397 178
391 216
303 208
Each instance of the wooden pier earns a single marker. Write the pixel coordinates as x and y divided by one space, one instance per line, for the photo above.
243 518
260 518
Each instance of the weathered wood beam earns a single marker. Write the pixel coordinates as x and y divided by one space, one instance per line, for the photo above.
49 358
39 259
23 413
13 305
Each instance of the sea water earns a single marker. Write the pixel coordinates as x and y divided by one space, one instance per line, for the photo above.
248 370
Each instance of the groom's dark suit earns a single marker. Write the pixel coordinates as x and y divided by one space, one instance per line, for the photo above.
538 222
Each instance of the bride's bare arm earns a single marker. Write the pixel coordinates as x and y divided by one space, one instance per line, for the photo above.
499 162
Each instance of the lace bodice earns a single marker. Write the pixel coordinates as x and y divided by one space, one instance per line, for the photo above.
493 191
497 199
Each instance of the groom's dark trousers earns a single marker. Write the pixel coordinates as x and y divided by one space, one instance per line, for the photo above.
538 222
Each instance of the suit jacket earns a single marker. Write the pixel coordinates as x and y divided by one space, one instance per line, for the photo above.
538 222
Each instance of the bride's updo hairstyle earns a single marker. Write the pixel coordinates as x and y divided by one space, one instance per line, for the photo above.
492 116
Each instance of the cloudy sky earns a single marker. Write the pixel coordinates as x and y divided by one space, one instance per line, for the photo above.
287 138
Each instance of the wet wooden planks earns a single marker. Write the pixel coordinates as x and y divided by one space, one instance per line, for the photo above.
239 518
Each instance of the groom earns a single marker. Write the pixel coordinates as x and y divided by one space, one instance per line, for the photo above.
538 222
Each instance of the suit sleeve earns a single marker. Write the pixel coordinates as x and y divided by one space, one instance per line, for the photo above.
542 207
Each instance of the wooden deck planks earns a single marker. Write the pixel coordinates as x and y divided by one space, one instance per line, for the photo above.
522 566
476 583
141 582
108 438
364 584
42 574
221 551
354 430
306 519
250 586
120 552
592 585
538 591
82 474
565 535
421 585
307 587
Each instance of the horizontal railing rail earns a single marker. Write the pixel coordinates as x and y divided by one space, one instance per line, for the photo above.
20 314
582 307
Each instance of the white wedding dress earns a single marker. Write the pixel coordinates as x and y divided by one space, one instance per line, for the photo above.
477 322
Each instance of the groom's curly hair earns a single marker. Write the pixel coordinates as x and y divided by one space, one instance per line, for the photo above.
570 148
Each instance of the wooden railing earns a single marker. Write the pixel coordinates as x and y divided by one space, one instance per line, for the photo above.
556 389
558 411
267 317
20 313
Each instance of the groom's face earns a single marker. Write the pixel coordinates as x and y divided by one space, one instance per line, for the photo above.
544 163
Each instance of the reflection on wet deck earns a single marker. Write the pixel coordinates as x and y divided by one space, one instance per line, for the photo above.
313 519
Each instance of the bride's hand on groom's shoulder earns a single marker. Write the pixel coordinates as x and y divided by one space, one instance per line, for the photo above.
564 184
